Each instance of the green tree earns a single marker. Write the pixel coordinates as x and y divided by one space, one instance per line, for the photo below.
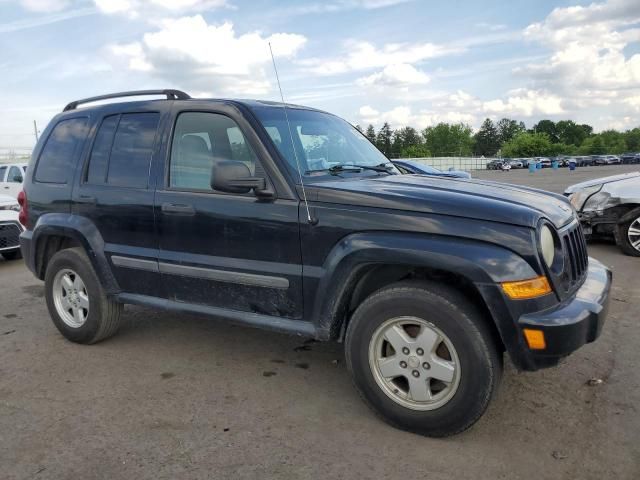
359 128
384 139
396 144
548 127
632 139
570 133
487 140
507 129
371 134
528 145
404 138
614 141
445 139
419 150
592 146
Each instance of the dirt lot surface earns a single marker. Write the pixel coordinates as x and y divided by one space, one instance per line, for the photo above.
182 397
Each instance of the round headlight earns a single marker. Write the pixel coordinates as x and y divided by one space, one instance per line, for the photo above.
547 245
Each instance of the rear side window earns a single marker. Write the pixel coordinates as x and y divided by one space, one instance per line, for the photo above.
122 151
99 160
3 171
59 152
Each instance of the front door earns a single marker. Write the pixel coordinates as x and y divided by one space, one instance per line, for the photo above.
233 251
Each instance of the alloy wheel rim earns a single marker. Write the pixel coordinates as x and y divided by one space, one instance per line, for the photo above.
633 234
70 298
414 363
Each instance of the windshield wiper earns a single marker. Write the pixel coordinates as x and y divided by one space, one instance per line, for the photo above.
349 167
352 167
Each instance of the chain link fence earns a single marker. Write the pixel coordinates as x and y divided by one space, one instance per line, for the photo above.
455 163
14 155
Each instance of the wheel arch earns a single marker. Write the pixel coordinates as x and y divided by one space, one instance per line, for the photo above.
56 232
365 263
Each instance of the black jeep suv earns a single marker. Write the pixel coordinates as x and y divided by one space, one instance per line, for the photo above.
287 218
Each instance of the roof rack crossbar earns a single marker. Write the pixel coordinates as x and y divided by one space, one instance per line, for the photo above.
171 95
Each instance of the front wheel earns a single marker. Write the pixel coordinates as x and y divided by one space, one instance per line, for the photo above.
629 235
423 358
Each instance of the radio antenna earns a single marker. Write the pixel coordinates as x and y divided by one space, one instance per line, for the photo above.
293 146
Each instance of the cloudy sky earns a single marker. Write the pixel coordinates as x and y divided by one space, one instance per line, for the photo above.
409 62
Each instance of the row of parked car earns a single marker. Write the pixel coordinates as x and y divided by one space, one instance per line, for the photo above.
564 161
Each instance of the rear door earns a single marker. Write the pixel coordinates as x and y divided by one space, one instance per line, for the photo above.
233 251
115 193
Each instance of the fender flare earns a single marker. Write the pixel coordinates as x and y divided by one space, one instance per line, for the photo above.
634 212
480 263
81 230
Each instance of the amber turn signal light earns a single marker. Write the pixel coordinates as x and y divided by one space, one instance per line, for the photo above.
523 289
535 339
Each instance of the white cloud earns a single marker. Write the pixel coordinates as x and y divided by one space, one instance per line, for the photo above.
462 107
45 6
361 55
43 20
398 75
633 102
333 7
587 46
133 8
372 4
492 27
182 51
367 111
525 103
403 115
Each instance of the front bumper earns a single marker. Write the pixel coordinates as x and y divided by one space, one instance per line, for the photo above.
574 322
9 236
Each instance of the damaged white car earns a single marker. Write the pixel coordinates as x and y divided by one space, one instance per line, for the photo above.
610 206
10 228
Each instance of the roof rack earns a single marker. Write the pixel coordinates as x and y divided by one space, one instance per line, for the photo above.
171 95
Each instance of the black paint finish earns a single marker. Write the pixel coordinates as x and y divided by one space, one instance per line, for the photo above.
257 260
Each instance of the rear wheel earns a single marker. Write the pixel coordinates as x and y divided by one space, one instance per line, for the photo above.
77 303
422 357
629 235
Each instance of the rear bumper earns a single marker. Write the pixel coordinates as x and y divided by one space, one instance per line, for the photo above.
25 248
573 323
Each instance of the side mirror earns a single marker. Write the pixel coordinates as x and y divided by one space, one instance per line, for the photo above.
18 179
231 176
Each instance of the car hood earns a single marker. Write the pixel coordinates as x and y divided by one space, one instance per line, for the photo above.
623 179
470 198
8 216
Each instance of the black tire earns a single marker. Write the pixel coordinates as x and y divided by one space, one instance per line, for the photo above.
103 317
13 255
622 238
480 359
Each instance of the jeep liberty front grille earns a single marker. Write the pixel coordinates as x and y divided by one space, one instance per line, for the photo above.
576 259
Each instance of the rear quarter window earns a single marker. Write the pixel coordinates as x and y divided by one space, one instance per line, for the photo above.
121 154
60 151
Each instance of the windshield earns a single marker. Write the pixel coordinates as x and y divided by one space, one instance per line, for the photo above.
322 142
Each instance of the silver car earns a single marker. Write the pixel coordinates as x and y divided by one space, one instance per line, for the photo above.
609 207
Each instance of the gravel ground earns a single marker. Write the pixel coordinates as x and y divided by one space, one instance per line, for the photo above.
176 396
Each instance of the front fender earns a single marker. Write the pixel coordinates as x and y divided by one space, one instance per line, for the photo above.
80 229
478 262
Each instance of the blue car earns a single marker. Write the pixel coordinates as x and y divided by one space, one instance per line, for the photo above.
409 166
